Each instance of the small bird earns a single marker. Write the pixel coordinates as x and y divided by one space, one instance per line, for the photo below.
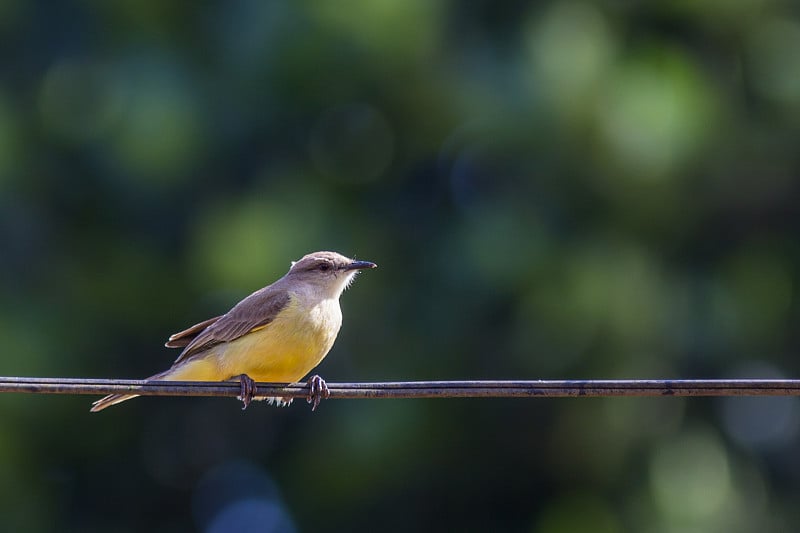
277 334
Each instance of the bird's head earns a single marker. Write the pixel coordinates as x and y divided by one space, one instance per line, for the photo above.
330 271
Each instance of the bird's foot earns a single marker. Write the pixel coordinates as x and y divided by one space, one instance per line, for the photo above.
248 390
318 390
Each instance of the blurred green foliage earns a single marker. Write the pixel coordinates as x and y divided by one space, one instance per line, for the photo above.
562 189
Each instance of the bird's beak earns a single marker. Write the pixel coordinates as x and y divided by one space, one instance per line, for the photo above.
359 265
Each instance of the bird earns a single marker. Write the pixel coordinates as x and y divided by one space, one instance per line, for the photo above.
277 334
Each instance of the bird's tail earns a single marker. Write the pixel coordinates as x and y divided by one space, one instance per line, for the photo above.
114 399
111 399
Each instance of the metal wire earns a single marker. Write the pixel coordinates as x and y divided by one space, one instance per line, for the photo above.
417 389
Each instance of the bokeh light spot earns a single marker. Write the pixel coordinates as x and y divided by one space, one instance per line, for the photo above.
240 497
571 48
689 477
77 102
381 26
765 423
653 115
243 242
160 130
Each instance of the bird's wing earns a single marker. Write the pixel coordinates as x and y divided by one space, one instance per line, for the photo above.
183 338
254 312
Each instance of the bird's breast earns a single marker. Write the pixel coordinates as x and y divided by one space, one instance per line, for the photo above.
290 346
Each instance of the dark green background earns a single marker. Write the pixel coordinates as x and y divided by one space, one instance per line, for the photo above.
552 190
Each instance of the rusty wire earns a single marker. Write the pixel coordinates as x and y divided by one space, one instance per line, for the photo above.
417 389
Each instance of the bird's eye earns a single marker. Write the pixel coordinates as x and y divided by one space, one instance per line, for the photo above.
324 267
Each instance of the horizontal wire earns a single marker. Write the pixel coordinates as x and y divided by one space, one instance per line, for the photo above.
416 389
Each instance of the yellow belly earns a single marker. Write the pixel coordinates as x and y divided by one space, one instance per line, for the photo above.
284 351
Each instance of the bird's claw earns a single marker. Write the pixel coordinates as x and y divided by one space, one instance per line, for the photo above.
248 390
318 390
